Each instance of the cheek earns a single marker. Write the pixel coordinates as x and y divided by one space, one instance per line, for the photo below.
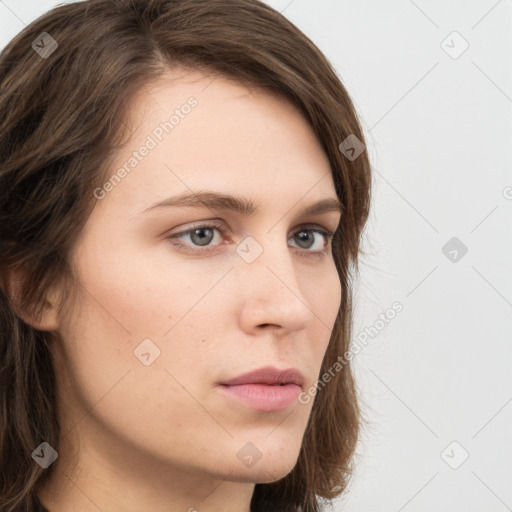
142 290
104 371
133 306
324 293
325 297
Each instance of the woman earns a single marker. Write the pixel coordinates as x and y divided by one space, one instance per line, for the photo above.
183 187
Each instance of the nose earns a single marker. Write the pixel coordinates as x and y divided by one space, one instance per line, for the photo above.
271 291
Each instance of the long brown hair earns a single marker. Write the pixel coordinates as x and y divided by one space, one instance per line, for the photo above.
62 105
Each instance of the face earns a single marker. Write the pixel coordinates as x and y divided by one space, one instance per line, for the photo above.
167 311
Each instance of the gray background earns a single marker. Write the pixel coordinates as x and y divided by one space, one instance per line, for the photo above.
435 380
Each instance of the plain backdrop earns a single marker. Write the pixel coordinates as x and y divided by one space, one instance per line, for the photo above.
432 83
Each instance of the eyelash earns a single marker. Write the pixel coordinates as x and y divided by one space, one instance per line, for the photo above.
214 224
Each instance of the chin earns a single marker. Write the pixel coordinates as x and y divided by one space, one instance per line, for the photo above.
262 474
272 474
273 464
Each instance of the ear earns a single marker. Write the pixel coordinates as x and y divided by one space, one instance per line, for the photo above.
48 319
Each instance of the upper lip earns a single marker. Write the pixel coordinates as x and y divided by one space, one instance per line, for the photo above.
268 375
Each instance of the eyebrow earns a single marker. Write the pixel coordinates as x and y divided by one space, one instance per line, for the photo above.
237 204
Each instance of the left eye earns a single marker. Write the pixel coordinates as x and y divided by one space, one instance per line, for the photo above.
203 235
305 236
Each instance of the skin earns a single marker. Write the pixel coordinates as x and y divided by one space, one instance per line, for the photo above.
162 437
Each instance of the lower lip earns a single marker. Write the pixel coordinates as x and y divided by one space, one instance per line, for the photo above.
264 397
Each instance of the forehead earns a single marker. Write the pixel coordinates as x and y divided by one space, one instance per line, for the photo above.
201 131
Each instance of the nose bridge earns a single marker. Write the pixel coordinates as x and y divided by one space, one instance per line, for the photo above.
269 257
266 270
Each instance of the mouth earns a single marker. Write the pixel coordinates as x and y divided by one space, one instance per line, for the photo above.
266 389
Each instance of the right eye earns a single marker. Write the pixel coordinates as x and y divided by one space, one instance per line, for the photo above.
202 235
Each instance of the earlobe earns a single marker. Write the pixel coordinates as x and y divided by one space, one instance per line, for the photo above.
47 320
